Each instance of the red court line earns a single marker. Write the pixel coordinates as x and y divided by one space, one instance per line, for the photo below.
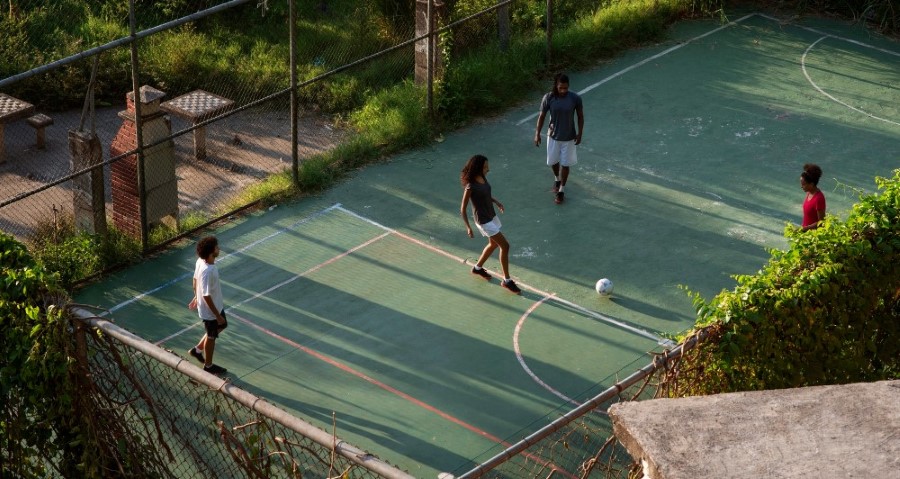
393 390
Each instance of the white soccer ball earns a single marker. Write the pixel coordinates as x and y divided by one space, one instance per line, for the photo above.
604 287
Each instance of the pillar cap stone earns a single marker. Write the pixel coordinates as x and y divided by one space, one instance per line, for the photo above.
148 94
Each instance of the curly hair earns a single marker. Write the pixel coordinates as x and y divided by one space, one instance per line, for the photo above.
811 173
206 246
473 169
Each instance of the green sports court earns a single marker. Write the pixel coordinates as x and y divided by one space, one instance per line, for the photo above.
358 306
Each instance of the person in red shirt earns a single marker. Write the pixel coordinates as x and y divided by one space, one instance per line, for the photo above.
814 204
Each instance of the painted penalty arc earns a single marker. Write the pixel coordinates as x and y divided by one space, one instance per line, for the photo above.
521 358
830 96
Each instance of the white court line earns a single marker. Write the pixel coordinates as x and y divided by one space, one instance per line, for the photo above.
659 340
647 60
245 248
836 37
521 358
283 283
640 332
820 90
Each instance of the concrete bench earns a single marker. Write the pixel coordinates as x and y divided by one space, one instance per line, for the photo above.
39 122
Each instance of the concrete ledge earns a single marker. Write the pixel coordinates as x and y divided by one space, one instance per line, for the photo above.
850 430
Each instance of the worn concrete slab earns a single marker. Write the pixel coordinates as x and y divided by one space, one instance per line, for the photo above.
841 431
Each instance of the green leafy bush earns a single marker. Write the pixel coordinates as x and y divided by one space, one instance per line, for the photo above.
74 255
826 311
38 425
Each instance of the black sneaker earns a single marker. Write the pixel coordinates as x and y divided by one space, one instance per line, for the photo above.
215 369
510 285
197 354
482 272
556 186
560 197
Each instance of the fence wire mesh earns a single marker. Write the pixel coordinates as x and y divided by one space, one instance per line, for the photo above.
575 443
67 160
209 130
162 417
159 420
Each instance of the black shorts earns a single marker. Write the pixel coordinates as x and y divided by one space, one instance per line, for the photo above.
213 328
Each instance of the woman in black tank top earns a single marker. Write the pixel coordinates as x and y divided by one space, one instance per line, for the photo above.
477 190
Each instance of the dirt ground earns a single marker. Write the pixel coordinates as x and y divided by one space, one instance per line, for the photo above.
241 150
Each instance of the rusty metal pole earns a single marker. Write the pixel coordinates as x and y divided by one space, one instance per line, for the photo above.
295 158
139 127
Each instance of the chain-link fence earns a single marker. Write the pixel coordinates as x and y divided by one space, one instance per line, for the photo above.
79 149
165 417
160 416
206 136
580 443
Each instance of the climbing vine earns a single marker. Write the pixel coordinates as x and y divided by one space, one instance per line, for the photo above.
825 311
39 429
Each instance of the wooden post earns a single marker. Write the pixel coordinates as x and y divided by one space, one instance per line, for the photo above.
549 58
503 26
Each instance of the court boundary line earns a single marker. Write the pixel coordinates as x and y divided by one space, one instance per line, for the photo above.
279 285
822 91
745 17
599 316
830 35
648 60
339 207
396 392
175 280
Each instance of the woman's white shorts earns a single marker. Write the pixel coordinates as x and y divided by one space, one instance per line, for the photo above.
490 228
562 152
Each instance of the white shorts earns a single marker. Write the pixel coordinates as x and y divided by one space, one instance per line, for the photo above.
490 228
562 152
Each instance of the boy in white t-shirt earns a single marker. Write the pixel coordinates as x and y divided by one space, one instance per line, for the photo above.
208 302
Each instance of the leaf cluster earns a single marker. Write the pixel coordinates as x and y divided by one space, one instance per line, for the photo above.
38 427
826 311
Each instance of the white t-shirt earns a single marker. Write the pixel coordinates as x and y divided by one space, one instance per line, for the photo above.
207 278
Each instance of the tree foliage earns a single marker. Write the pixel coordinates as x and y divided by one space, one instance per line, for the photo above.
826 311
38 426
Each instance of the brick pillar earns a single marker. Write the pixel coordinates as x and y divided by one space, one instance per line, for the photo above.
161 189
88 195
439 11
124 182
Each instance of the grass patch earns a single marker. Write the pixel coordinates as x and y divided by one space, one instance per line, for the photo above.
75 255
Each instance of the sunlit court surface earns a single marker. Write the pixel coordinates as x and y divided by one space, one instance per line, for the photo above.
356 311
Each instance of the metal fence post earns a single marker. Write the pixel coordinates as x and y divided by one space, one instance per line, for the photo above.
295 158
503 26
549 56
430 58
139 127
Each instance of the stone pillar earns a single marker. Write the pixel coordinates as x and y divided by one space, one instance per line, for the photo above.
87 189
160 182
439 11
